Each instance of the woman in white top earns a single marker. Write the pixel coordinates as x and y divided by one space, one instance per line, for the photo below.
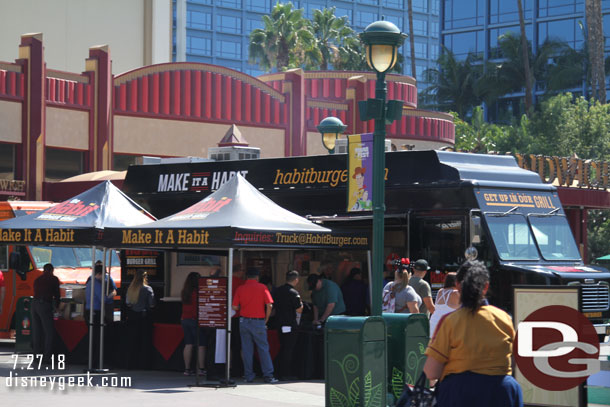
399 297
447 301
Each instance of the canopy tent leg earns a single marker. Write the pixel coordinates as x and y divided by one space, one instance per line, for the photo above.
102 309
91 281
368 259
229 311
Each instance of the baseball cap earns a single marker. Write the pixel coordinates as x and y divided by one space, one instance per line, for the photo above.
421 264
252 272
312 280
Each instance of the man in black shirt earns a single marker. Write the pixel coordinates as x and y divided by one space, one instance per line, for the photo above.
286 303
46 300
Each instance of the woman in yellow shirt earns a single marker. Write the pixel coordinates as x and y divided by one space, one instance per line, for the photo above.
472 347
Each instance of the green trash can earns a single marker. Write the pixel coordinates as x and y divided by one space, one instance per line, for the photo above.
408 336
23 325
355 361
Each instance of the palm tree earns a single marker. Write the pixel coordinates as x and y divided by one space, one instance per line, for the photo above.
411 38
330 33
526 62
285 41
453 83
593 15
350 56
508 74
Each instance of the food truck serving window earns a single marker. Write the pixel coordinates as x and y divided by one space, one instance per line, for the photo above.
554 237
512 237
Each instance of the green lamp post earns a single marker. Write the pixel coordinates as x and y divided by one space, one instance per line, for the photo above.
381 40
330 128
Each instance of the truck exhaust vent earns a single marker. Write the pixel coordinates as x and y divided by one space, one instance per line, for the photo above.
595 297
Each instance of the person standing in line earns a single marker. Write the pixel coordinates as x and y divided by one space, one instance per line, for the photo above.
355 293
190 325
471 351
421 286
287 303
447 301
140 300
45 302
326 297
97 298
2 291
253 301
398 296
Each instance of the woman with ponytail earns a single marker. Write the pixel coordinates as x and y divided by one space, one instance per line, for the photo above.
471 350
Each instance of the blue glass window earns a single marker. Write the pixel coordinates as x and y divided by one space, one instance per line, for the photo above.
254 23
261 6
198 19
419 70
434 29
548 8
434 7
396 20
206 2
421 50
434 51
393 4
198 45
420 6
228 49
496 33
228 24
501 11
373 2
364 18
341 12
254 71
563 30
464 13
420 27
462 44
309 8
229 3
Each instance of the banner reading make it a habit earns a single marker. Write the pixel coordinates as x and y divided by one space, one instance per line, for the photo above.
360 172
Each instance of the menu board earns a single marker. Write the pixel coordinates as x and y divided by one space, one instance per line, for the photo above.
213 302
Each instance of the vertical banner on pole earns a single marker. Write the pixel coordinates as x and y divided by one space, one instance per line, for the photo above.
360 172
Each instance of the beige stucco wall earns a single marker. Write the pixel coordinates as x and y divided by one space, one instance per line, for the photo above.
146 136
314 144
70 27
10 121
67 128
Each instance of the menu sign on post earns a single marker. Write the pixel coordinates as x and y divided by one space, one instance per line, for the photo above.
212 308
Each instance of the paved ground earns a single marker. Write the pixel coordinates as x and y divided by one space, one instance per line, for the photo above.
22 387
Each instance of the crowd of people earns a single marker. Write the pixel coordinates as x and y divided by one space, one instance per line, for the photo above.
469 354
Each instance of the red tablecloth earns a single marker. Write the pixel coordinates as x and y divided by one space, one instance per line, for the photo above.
167 338
71 332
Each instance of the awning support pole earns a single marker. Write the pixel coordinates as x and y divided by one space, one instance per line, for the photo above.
229 311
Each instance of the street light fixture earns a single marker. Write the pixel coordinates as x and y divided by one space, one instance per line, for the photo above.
381 40
330 128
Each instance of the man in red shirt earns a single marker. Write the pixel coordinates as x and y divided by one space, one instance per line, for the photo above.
254 303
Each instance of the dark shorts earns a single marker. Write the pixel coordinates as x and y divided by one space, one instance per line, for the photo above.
189 326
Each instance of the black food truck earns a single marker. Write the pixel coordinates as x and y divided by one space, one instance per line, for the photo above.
438 204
